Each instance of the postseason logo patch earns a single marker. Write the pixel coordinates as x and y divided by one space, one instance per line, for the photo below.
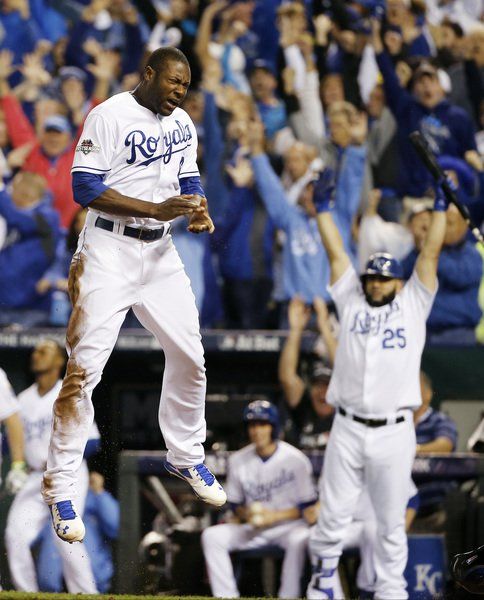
87 146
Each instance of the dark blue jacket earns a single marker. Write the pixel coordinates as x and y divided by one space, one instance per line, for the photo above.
32 238
459 274
448 129
20 35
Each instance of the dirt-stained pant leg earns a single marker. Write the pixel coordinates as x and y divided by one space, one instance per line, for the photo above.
102 285
167 309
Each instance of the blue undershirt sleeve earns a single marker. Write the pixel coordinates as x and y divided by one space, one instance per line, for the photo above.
86 187
191 185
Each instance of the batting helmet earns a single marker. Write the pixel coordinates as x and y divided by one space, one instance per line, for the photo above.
468 570
263 410
384 265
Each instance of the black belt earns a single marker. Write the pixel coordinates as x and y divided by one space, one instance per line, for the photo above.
371 422
146 235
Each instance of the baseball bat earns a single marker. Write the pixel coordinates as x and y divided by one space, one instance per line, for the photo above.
426 155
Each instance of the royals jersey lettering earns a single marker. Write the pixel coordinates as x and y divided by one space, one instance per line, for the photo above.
377 365
281 481
138 153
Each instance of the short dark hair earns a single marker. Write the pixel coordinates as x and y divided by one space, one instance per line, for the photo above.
456 28
160 56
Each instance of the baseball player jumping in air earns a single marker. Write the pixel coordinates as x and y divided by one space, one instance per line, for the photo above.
28 515
269 486
135 168
374 388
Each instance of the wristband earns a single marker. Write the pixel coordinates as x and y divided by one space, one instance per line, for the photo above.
441 204
324 204
324 191
18 465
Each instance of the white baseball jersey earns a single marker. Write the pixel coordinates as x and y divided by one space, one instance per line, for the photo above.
141 154
36 412
8 403
284 480
377 362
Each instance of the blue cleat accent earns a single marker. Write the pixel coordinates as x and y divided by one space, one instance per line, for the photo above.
67 524
203 482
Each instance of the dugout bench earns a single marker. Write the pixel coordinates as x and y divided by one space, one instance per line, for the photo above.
467 519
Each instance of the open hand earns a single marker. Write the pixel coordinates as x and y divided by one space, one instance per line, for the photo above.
241 173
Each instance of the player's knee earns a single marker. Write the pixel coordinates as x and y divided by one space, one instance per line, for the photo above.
211 537
14 537
299 536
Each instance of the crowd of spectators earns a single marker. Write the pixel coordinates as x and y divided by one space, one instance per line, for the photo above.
280 90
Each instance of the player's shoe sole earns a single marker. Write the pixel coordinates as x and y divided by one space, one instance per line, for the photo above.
203 482
67 523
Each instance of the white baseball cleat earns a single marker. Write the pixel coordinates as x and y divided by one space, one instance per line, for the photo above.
203 482
318 591
67 523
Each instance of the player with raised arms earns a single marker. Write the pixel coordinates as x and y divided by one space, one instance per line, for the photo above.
374 388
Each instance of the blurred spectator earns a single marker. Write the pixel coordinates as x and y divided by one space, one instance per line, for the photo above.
455 312
245 259
447 128
54 280
383 153
403 33
222 45
309 414
305 265
101 518
191 249
20 32
271 109
33 232
51 152
114 25
436 432
377 235
177 27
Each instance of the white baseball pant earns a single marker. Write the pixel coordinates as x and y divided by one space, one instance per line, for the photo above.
111 273
380 459
218 541
27 517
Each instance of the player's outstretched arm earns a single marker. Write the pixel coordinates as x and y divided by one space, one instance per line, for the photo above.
428 259
330 236
112 202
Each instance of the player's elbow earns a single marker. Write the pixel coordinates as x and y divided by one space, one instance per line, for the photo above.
86 187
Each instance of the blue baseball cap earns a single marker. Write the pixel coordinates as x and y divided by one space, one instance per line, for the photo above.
265 65
57 123
72 73
383 264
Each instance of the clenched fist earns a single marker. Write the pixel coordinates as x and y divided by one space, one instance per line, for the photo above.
200 221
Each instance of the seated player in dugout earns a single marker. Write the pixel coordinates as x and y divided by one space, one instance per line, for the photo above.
269 486
309 415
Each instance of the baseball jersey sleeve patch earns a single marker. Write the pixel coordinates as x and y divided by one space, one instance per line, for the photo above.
87 146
